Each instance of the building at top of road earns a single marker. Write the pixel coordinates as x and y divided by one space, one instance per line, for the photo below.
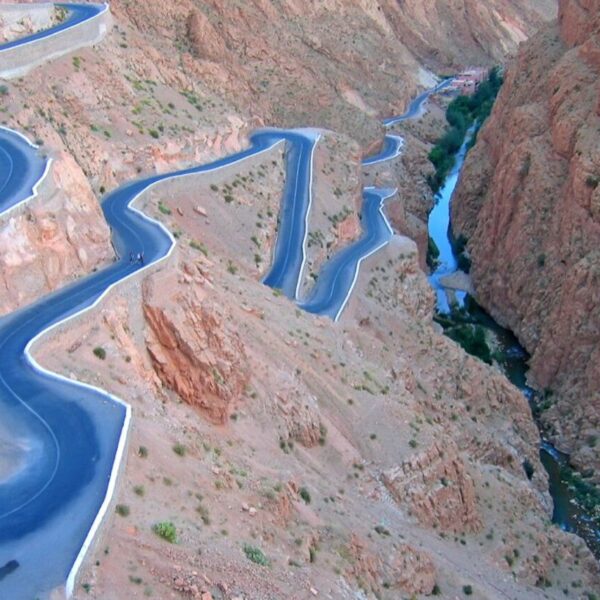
468 80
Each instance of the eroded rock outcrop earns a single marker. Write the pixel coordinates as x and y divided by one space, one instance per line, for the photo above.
413 571
529 204
437 487
194 348
54 238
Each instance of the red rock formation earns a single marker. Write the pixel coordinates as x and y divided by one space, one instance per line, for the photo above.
529 203
194 349
59 235
466 30
413 570
437 487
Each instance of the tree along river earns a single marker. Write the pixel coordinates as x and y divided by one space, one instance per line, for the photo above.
568 512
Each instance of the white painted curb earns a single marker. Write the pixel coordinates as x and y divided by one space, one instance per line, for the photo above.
357 270
50 35
398 152
315 141
70 582
37 184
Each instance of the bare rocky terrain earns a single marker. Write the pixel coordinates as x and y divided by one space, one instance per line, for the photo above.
296 457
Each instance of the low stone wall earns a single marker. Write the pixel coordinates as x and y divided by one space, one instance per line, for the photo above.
19 60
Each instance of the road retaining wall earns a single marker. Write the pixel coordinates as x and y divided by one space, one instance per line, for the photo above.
19 60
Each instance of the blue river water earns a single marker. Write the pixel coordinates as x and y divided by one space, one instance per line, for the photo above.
567 512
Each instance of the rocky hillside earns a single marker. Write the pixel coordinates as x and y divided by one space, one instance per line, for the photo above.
529 204
442 32
174 84
297 457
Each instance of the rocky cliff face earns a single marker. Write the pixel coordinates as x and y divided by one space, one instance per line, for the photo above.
54 238
466 31
529 204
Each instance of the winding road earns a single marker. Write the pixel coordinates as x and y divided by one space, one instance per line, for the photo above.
21 170
64 439
63 432
336 280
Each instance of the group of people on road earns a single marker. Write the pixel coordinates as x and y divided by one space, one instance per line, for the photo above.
136 258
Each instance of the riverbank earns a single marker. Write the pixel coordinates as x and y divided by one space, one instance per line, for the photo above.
576 502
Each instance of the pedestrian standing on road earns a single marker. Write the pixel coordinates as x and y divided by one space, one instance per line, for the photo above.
131 258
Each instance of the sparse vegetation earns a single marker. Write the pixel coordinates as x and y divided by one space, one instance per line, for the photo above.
100 352
304 494
433 253
166 530
462 112
591 181
164 209
179 449
462 257
199 246
256 555
122 510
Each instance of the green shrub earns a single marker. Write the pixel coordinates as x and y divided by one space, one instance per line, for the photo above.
462 112
305 495
255 555
528 468
199 246
179 449
460 250
122 510
468 590
100 352
591 181
3 90
165 210
166 530
472 339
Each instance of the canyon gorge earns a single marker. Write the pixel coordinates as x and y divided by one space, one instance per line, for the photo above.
298 457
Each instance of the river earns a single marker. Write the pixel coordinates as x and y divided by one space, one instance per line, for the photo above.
511 358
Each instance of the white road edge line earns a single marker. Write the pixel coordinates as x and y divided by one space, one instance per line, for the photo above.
70 582
306 216
36 185
27 42
357 270
367 162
